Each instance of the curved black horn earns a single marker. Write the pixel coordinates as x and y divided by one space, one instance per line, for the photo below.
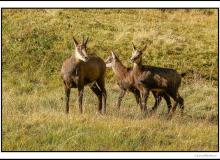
87 39
75 41
133 46
144 48
83 39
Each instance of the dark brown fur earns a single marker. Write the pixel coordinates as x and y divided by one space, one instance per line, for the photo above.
164 80
76 73
125 79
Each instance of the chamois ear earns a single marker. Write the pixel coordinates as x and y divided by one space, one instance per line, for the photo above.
87 39
134 48
113 55
75 42
143 49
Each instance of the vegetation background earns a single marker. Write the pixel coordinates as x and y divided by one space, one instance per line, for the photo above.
35 42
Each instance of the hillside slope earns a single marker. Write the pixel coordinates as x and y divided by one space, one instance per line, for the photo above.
37 41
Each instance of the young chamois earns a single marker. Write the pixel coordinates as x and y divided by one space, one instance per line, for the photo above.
126 83
124 78
81 69
163 80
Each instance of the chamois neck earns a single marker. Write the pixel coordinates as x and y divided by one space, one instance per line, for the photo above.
76 59
76 55
137 65
119 69
140 62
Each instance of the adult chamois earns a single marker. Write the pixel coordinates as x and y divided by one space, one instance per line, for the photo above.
149 78
81 69
126 82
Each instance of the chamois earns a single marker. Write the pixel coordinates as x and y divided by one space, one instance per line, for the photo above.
126 83
150 78
81 69
124 78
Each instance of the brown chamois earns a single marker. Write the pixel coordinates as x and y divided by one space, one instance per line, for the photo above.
126 83
123 76
149 78
80 70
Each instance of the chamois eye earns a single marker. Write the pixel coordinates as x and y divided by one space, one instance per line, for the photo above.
136 56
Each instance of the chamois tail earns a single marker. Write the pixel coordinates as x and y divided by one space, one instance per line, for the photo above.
183 74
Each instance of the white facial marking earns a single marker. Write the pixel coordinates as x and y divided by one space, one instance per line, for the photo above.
84 53
135 56
79 56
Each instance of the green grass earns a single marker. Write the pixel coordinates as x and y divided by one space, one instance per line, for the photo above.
36 42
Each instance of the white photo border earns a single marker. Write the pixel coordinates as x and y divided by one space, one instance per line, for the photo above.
110 4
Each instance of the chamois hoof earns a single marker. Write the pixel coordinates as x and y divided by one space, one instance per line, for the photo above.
98 113
181 113
152 112
144 114
103 112
169 116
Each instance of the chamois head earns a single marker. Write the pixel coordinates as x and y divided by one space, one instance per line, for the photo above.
110 61
137 54
81 49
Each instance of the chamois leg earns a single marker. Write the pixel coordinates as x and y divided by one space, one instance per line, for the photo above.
178 101
136 94
121 95
174 107
157 101
98 93
80 98
181 103
175 98
168 101
137 97
144 97
67 93
101 84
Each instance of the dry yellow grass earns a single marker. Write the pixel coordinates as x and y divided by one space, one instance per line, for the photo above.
36 121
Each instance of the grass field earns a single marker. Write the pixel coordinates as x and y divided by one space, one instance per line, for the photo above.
36 42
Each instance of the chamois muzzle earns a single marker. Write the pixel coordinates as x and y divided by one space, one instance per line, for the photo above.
132 59
86 59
